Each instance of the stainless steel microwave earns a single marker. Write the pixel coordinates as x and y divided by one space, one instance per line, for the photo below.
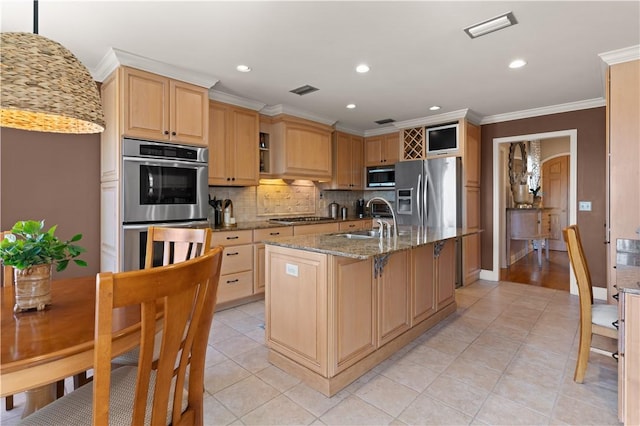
381 177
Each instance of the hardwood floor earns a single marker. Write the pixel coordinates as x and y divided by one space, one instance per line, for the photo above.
554 273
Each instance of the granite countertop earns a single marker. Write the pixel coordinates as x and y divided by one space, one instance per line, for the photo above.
364 248
264 224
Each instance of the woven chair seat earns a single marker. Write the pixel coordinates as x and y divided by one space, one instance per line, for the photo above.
75 408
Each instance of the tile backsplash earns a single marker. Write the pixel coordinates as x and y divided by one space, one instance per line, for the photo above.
277 198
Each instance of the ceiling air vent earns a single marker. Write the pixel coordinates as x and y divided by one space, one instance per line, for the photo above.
385 121
304 90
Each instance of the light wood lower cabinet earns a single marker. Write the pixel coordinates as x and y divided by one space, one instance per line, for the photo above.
444 254
629 359
394 291
236 273
354 225
320 228
260 235
423 301
297 306
330 319
353 304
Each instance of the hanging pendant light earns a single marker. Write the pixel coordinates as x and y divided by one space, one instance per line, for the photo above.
44 87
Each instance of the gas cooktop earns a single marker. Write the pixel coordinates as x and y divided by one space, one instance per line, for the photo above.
300 219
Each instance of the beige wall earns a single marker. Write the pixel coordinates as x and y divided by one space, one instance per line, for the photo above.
591 176
55 177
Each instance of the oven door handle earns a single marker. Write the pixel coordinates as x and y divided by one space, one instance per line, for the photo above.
173 162
188 224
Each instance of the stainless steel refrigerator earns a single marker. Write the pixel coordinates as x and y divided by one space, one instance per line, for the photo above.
428 192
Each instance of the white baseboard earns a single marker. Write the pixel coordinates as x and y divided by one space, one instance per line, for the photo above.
599 293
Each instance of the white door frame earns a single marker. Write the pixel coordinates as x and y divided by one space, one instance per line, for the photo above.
494 274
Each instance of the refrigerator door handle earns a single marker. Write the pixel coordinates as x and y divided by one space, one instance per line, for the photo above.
418 192
425 202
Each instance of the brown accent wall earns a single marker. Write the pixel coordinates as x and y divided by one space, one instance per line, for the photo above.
55 177
591 176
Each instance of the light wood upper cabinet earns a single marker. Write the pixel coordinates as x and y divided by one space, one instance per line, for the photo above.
233 145
160 108
382 149
300 149
471 153
623 171
348 161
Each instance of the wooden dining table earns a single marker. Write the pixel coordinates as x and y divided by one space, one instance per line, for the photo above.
41 347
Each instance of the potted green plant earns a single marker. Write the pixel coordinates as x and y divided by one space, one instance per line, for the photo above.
32 252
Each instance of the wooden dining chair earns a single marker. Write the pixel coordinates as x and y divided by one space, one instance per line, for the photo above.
7 279
594 318
174 245
178 244
183 296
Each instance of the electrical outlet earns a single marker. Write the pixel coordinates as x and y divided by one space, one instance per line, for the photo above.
584 206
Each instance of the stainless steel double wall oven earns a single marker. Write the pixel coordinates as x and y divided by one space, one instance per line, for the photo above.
162 185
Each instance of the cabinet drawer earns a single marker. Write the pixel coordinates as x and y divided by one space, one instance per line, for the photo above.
235 286
237 259
263 234
231 238
322 228
355 225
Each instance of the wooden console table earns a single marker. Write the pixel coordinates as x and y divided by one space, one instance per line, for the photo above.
528 224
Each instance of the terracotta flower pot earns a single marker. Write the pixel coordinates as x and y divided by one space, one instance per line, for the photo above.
32 287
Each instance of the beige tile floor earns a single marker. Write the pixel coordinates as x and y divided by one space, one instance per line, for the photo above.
506 357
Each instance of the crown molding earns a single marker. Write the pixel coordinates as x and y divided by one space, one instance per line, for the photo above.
618 56
434 119
381 131
273 110
116 57
536 112
351 131
228 98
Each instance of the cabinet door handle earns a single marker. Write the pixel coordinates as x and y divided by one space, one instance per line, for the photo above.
173 133
274 233
232 281
232 238
166 132
235 253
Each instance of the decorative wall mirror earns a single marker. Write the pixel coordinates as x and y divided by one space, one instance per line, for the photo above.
518 166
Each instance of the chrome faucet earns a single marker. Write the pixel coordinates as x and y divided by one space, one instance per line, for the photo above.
393 214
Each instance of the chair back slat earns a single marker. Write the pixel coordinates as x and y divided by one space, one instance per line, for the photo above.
581 271
178 244
185 294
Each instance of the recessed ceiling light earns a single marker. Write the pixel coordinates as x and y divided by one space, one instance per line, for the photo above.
517 63
434 108
243 68
490 25
362 68
351 106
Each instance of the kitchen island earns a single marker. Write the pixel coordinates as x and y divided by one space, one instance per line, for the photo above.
336 305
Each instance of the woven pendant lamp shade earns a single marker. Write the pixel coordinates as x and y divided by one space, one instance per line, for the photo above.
43 87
